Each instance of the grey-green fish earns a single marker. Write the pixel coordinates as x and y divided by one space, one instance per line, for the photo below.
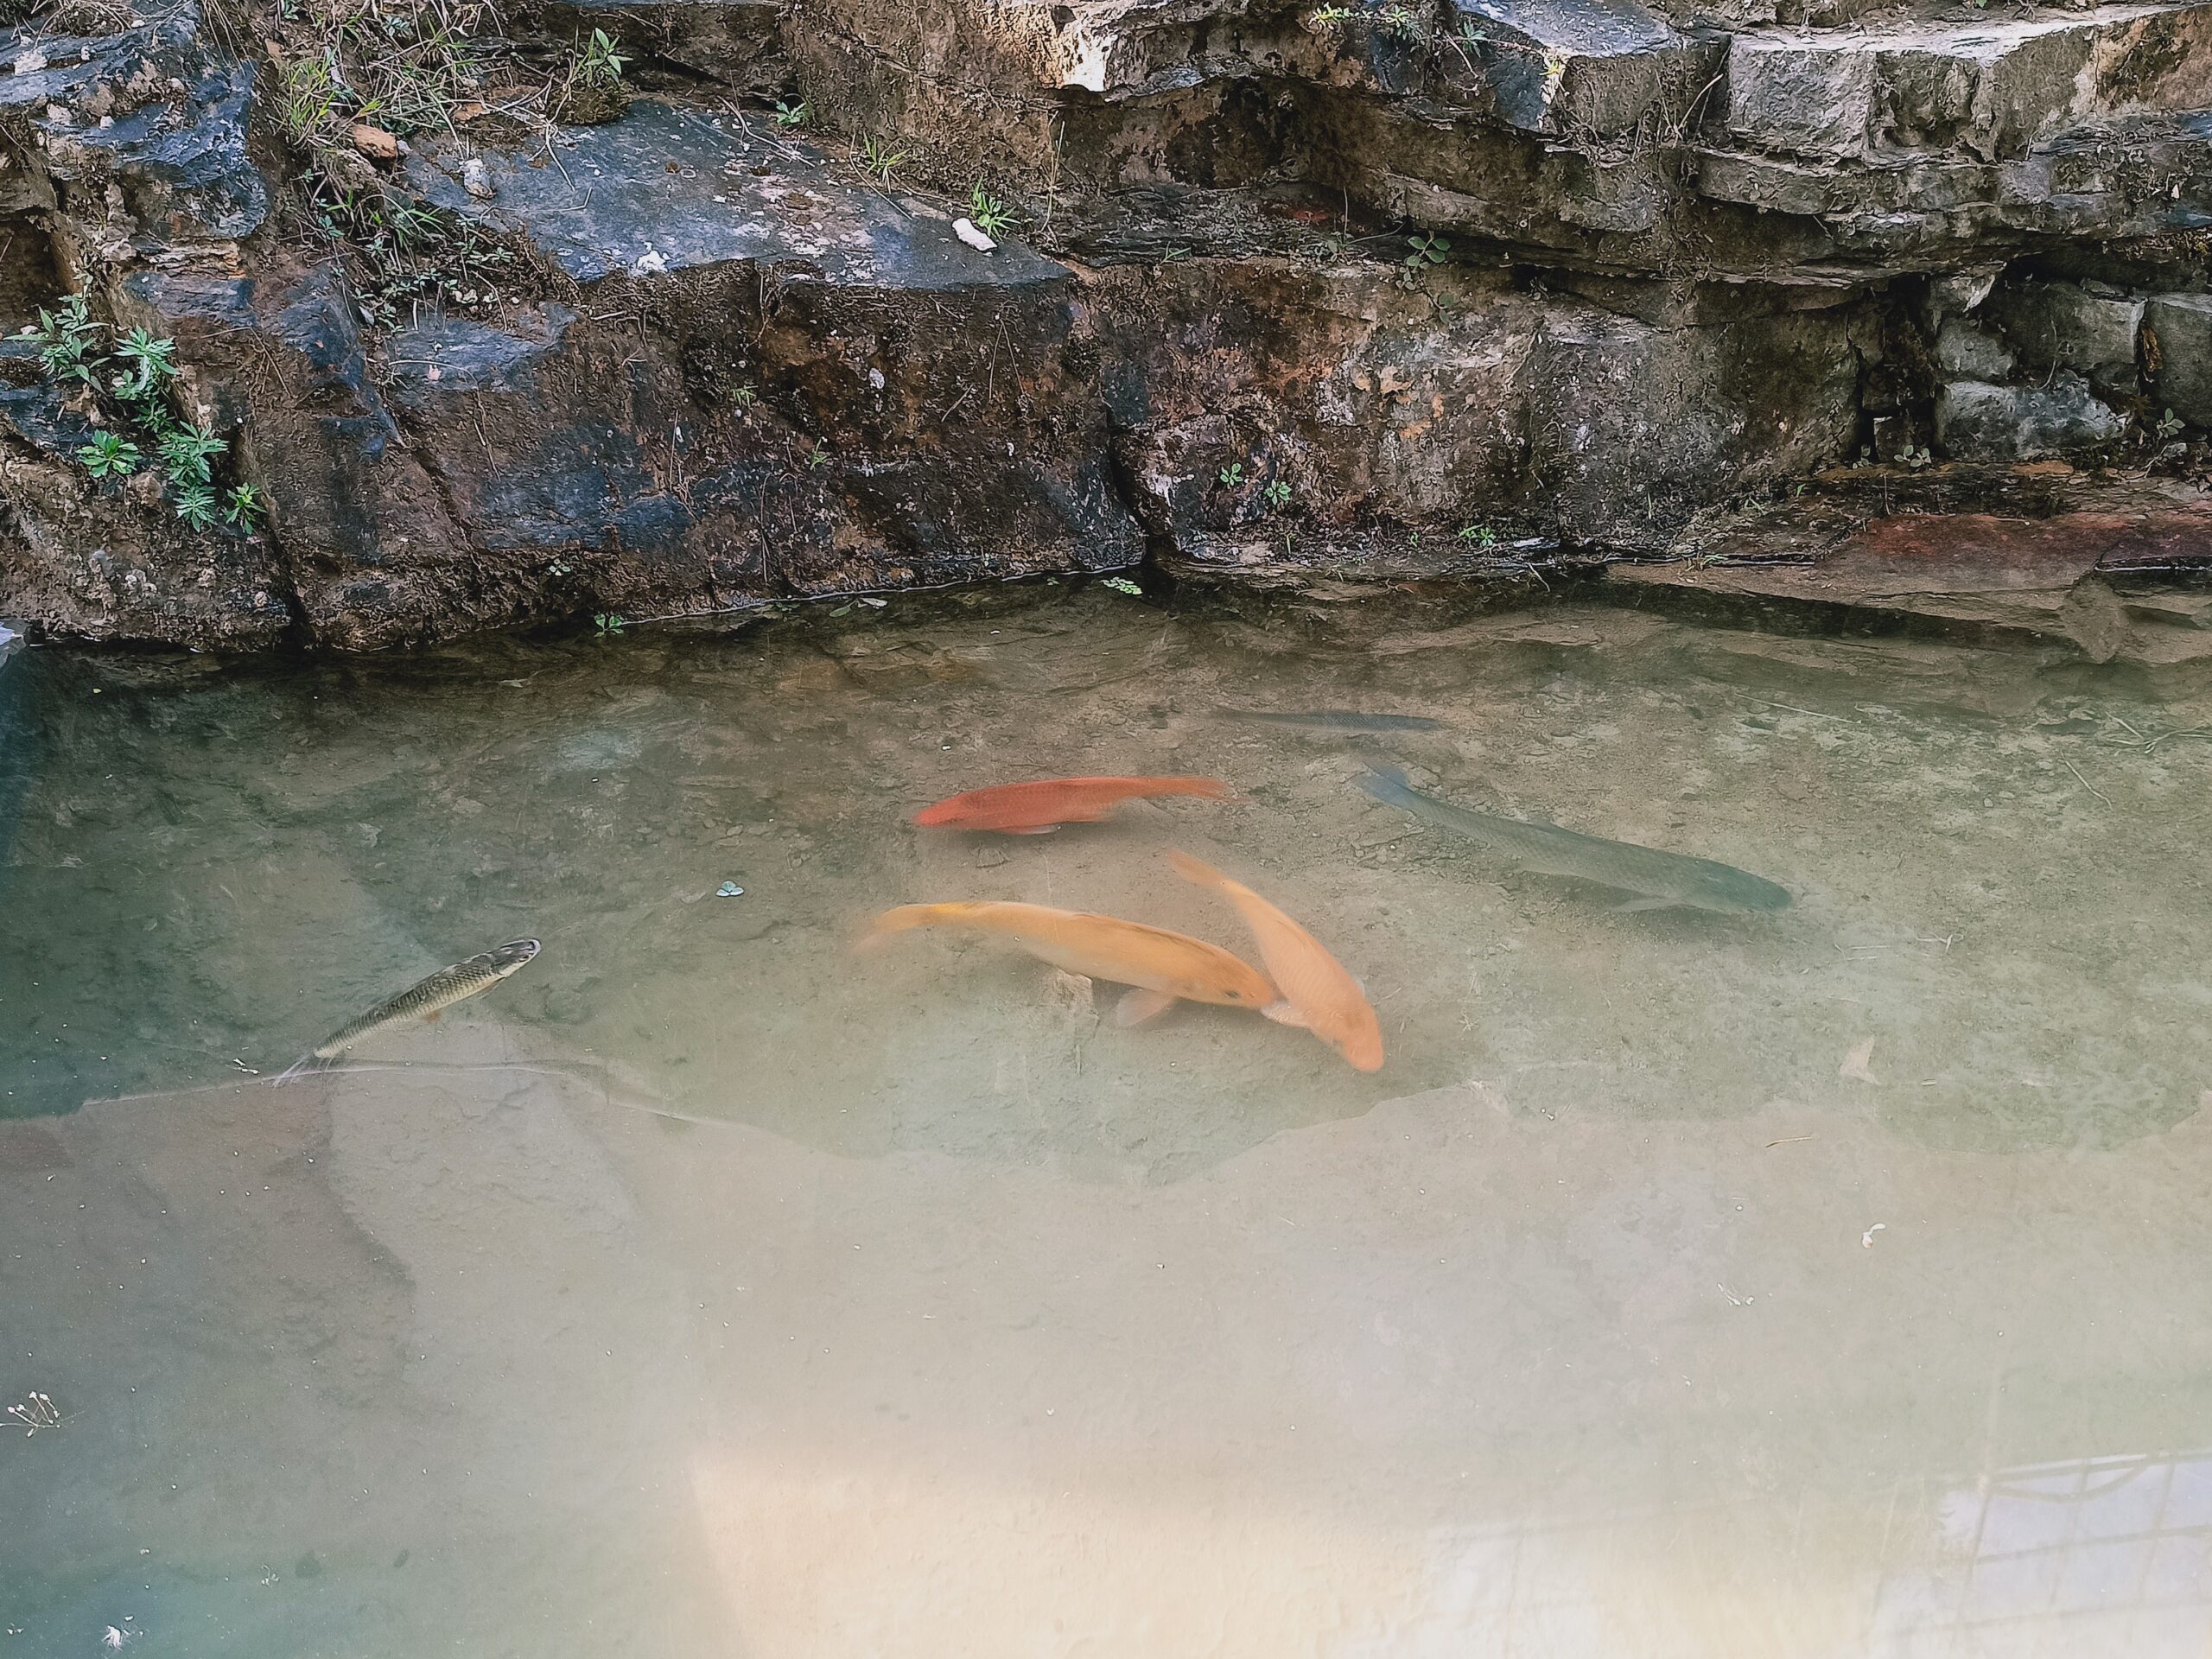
1334 720
425 1001
1660 879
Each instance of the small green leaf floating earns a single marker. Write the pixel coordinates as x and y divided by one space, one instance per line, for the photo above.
730 890
1120 585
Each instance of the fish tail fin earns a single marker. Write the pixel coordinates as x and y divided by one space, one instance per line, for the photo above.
1197 870
899 918
307 1064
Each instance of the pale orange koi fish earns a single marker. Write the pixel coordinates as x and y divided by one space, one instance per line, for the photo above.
1162 967
1317 994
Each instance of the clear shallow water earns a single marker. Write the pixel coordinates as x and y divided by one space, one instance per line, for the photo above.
707 1288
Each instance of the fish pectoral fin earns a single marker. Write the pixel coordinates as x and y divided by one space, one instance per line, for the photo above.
1645 904
1139 1005
1035 829
434 1016
1284 1014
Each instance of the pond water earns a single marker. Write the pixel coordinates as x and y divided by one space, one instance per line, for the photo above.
1829 1282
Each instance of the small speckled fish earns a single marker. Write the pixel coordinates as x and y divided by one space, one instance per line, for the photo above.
425 1001
1333 719
1661 880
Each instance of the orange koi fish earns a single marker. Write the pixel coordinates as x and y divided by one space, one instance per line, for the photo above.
1317 994
1161 967
1038 809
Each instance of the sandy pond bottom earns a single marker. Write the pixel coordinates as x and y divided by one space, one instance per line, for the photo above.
1826 1283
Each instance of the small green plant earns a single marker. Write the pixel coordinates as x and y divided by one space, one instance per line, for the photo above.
598 61
65 338
1276 494
1121 585
606 623
187 455
149 366
2169 427
817 457
1428 252
1231 477
1402 23
1398 22
793 115
195 505
110 456
1478 535
132 385
742 397
988 213
879 161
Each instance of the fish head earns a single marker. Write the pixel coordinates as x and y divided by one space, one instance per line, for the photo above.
1239 994
511 956
1734 891
1360 1043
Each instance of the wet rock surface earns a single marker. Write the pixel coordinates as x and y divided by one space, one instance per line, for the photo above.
2102 572
1273 290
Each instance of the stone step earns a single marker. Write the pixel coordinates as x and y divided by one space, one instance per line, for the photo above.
1926 209
1568 67
669 189
1992 89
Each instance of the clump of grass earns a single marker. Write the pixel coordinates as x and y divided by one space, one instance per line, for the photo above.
879 160
405 254
401 65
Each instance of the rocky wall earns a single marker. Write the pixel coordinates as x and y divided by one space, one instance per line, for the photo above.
1265 286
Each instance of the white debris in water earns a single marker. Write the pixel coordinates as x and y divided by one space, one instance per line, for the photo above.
30 62
730 890
651 262
1866 1239
966 231
1857 1064
476 178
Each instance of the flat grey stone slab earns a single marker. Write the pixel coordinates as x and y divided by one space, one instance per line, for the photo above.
665 190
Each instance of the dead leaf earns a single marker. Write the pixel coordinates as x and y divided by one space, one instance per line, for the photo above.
1856 1063
375 142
